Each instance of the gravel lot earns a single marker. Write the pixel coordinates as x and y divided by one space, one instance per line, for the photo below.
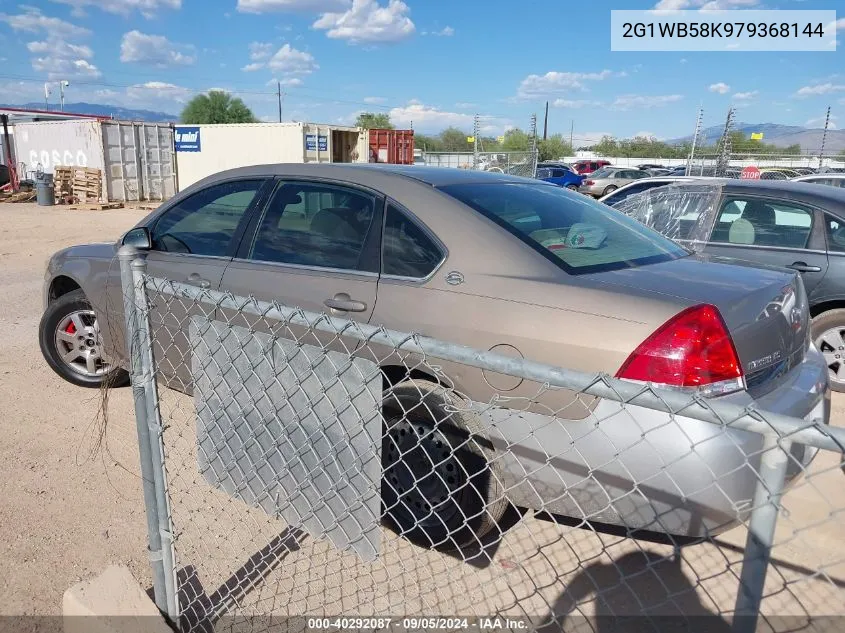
73 504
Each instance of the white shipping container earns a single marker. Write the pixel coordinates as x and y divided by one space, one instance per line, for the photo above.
203 150
136 158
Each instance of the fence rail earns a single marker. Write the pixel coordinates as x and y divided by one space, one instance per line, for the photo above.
291 479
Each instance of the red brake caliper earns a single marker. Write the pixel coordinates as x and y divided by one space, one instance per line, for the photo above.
71 328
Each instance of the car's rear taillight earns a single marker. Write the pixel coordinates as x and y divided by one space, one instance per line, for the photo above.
589 182
692 349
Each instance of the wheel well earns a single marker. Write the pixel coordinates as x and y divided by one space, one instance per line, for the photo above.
61 286
826 306
394 374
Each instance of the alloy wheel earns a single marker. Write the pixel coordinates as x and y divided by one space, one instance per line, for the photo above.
79 344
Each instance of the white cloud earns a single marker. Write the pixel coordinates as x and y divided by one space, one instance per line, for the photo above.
367 21
431 119
838 25
304 6
585 139
535 86
291 61
153 92
148 8
446 31
260 50
291 82
746 96
819 122
820 89
628 102
33 21
465 105
574 103
684 60
721 87
66 68
60 48
252 67
374 100
646 135
155 50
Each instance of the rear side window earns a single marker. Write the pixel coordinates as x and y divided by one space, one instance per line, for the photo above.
407 251
315 224
835 229
761 222
575 232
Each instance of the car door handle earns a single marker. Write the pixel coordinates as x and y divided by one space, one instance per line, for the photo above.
195 280
802 267
343 302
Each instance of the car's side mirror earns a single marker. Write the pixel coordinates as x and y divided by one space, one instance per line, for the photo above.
139 238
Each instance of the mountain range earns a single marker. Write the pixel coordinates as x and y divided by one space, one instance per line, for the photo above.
809 139
113 111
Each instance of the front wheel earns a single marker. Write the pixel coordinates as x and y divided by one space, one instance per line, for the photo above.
828 332
69 336
441 486
572 187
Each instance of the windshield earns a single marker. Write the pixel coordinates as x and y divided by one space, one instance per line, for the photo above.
575 232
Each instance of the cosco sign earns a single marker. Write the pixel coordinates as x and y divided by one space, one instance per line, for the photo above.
55 158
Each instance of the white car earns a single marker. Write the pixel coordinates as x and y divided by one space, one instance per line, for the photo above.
833 179
644 184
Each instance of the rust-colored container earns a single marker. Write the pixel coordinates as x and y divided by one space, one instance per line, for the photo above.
392 146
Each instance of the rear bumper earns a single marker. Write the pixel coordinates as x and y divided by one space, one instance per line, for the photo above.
640 468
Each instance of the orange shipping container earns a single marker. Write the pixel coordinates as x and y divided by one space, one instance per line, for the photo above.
392 146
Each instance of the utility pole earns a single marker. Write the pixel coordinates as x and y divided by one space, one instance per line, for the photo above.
725 149
546 122
279 95
571 132
475 128
824 138
533 132
695 138
46 96
62 85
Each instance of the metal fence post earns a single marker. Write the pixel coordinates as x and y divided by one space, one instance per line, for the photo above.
761 532
126 255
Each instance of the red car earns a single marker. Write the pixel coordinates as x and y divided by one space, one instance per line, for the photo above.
589 166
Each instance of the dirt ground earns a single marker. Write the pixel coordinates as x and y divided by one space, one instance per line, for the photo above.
72 503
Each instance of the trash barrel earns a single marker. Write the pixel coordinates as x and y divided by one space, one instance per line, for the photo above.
44 192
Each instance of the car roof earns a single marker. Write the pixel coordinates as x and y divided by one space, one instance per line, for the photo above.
830 174
360 172
798 191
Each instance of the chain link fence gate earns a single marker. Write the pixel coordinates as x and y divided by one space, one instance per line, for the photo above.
293 483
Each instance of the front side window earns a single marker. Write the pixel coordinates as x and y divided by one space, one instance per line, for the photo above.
407 251
315 224
205 223
577 233
760 222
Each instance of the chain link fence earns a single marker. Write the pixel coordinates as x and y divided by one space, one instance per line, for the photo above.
772 166
513 163
306 472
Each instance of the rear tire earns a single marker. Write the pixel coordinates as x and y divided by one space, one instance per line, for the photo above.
58 312
442 487
608 190
828 329
572 187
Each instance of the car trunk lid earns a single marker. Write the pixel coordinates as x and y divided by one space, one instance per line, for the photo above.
765 309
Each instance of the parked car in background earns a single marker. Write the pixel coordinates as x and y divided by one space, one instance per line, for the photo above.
777 173
644 184
830 179
803 171
524 262
560 177
609 179
794 225
555 164
658 171
647 166
589 166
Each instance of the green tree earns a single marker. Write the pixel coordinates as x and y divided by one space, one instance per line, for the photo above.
373 120
454 140
554 148
607 146
216 107
427 143
516 141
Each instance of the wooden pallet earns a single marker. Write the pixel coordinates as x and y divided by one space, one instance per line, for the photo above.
95 206
87 184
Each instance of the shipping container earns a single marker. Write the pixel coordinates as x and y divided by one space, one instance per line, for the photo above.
392 146
136 158
203 150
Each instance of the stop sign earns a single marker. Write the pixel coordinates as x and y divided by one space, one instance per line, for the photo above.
750 173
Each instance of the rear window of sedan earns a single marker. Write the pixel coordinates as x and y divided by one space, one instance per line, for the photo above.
575 232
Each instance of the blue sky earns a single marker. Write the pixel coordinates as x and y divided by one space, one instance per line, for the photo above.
433 62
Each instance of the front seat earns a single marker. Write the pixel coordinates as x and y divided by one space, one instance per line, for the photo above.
335 223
